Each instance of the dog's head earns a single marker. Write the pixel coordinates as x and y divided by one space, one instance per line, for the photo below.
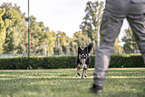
83 53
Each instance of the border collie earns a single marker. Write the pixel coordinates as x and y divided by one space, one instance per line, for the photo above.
83 60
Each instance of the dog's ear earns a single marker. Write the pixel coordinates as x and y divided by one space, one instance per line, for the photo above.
90 46
78 57
86 49
79 50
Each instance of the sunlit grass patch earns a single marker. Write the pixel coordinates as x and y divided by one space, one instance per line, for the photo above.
120 82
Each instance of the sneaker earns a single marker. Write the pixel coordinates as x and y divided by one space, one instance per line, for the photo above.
96 89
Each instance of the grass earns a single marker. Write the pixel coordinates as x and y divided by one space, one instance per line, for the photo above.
120 82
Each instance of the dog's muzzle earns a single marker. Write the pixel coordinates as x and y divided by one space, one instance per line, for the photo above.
83 56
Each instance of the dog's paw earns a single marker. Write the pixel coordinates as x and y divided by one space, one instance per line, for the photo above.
85 75
76 75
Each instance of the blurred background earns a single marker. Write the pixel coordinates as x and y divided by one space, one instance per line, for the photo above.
55 28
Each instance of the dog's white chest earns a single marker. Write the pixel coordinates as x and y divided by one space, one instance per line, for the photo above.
84 65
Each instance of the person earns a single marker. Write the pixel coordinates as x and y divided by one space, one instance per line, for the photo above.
114 13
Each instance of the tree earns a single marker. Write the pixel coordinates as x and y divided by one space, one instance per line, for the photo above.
16 27
73 47
63 42
14 36
50 40
91 22
81 39
117 47
37 36
3 26
129 42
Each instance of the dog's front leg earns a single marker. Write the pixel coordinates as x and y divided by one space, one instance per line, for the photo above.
86 68
86 72
78 70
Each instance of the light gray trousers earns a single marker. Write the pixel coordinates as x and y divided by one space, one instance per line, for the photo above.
114 13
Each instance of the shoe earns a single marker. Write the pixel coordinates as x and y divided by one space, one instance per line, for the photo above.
96 89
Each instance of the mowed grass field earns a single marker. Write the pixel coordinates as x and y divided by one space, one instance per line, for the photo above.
120 82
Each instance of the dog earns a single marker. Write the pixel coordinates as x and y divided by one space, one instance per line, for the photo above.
83 60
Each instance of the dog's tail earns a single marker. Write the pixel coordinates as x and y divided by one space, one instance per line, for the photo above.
90 46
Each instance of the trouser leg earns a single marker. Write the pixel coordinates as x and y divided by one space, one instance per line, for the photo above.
139 34
136 21
110 29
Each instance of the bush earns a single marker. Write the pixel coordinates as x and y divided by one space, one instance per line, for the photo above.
13 63
126 60
67 62
38 62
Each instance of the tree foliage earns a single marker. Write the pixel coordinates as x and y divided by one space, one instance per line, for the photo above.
16 27
90 25
3 26
81 39
129 42
14 32
92 19
117 47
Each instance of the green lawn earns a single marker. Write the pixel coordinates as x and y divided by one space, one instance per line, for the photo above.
120 82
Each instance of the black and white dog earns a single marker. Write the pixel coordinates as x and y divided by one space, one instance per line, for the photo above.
83 59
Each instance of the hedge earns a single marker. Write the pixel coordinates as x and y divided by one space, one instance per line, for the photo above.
126 60
67 62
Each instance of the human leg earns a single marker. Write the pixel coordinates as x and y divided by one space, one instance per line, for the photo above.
136 20
110 28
